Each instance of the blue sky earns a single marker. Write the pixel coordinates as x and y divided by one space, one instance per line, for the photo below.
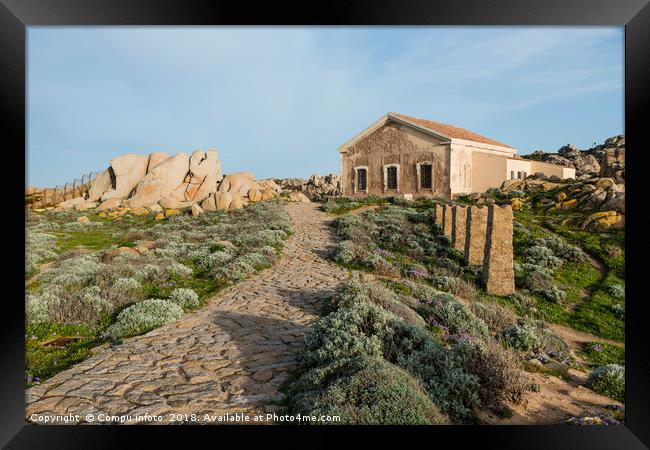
279 101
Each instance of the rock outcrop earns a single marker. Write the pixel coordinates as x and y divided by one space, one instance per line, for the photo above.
605 160
237 190
163 184
599 185
161 181
317 188
126 172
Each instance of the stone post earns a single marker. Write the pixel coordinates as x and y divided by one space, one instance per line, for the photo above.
446 220
459 219
475 237
498 268
439 209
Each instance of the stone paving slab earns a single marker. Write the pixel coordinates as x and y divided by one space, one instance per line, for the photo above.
229 357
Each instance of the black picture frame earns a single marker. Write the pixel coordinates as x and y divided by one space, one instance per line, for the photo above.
634 15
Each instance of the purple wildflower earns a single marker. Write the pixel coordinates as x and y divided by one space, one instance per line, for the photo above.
461 337
382 252
415 273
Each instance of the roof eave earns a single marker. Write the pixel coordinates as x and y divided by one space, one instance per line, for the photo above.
498 148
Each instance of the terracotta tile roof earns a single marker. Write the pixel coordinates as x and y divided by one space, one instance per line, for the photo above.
450 130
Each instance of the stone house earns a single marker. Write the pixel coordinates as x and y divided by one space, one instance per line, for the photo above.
411 157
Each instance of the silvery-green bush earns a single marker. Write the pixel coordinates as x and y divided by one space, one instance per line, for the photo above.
144 316
38 305
255 260
363 391
617 290
541 256
561 248
345 252
608 380
77 271
445 309
619 310
127 285
185 298
39 247
367 330
150 272
542 283
235 270
274 238
215 259
529 334
522 336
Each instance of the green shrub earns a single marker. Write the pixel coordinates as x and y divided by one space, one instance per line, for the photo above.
444 309
542 256
363 391
366 330
617 290
346 333
496 317
345 252
215 259
534 335
78 271
450 386
185 298
619 310
274 238
237 269
59 305
601 353
144 316
354 292
522 336
540 282
498 370
608 380
256 260
38 305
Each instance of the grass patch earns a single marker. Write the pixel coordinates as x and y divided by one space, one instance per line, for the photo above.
43 362
600 353
549 371
91 239
595 316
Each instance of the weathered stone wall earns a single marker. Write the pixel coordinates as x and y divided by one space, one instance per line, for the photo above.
458 229
476 228
396 144
498 270
447 220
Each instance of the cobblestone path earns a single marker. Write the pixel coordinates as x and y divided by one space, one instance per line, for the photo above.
229 357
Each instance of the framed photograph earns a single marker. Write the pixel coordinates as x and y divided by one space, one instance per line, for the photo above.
408 218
